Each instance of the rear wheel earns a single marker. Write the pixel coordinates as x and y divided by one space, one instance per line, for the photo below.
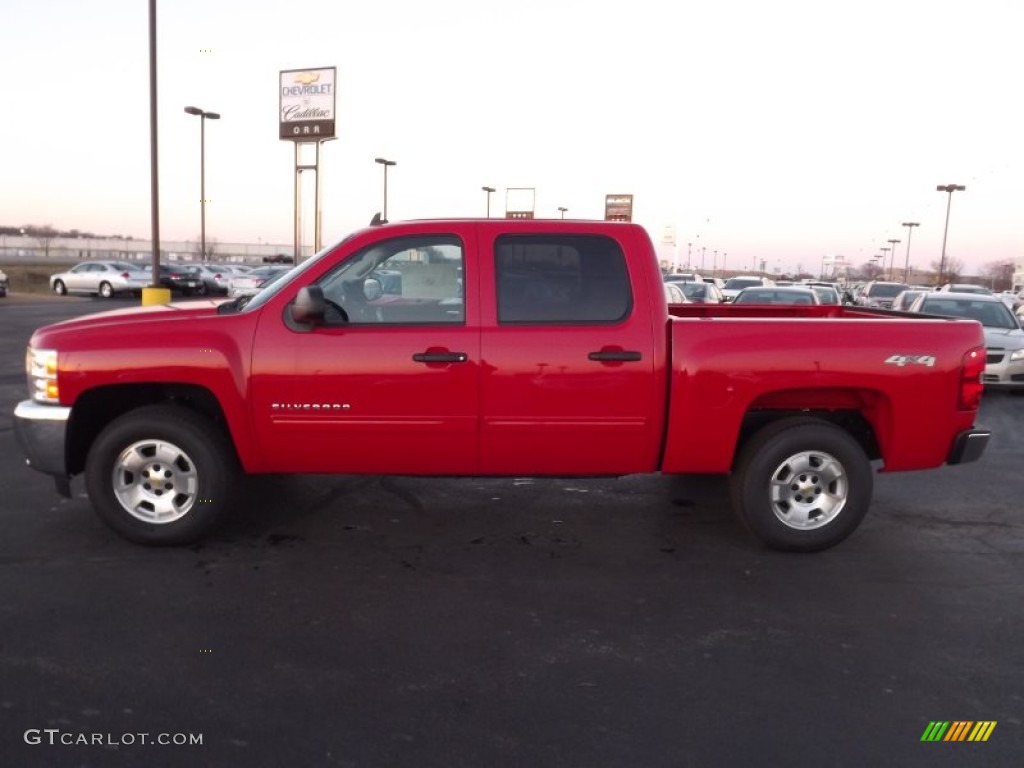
59 288
106 290
802 484
161 474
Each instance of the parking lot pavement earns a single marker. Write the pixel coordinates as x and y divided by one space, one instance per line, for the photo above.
367 621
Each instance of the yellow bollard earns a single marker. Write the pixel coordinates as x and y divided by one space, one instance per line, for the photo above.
152 296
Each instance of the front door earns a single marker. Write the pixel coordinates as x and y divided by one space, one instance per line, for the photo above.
389 384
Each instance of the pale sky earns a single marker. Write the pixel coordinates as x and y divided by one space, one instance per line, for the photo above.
785 130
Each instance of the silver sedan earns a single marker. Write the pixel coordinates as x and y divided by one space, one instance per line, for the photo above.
104 278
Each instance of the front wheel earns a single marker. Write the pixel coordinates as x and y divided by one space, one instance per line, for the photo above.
161 474
802 485
59 288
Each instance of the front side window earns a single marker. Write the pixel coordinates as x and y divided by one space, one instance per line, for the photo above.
407 280
561 279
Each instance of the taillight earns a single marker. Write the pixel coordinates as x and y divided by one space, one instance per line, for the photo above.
970 379
125 275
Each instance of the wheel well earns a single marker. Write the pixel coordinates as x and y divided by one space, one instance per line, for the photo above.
850 421
96 408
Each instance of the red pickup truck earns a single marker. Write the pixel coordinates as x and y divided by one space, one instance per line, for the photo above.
496 347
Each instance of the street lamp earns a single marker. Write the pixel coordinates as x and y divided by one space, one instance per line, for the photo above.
906 266
203 117
562 210
385 163
950 188
488 190
892 257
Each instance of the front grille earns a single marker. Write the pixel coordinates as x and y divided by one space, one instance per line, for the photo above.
992 378
994 357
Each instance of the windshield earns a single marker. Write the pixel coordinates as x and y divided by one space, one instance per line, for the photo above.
271 287
991 314
886 290
736 283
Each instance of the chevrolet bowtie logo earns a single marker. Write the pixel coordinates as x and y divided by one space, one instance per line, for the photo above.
306 78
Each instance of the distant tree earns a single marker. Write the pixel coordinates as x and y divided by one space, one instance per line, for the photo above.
868 271
44 236
998 275
954 268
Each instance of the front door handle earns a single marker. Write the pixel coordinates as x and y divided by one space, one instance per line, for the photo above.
615 356
440 357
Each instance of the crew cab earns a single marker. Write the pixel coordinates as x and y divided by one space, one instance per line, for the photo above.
497 348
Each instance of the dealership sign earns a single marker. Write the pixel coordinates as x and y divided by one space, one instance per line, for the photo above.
307 104
618 207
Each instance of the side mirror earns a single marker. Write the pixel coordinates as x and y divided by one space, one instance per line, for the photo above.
309 305
372 289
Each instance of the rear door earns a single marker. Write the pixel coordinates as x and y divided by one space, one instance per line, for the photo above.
568 356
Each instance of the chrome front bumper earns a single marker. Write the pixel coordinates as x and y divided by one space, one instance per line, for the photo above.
41 431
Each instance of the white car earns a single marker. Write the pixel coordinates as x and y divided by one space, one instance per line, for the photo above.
736 284
252 282
103 278
1004 339
3 284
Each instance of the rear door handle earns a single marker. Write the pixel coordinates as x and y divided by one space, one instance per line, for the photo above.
615 356
440 357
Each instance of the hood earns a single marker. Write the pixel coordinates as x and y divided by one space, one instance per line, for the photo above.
130 316
1008 338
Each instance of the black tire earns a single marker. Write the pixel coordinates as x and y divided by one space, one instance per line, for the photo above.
157 447
59 288
106 290
802 485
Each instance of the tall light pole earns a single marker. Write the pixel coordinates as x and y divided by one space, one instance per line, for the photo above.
946 188
488 190
906 265
203 117
885 255
385 163
689 255
950 188
892 257
562 210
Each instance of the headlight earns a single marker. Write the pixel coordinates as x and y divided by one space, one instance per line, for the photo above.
41 368
1017 354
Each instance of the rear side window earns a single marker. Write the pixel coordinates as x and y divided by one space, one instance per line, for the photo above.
561 280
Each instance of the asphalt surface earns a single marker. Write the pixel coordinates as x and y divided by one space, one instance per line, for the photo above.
368 621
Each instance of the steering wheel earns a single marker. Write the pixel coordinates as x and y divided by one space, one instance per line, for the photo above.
334 307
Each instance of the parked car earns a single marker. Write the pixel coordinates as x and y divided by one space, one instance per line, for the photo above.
104 278
216 278
1012 300
827 293
879 293
964 288
252 282
182 279
3 283
1004 339
674 293
736 284
702 293
905 298
683 277
788 294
